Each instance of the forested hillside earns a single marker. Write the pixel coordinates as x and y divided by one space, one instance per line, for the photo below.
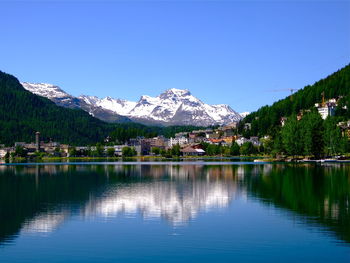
266 120
23 113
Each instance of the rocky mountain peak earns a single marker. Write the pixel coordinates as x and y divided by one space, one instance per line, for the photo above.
172 107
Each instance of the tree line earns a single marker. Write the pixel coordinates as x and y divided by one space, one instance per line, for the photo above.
311 136
266 120
22 113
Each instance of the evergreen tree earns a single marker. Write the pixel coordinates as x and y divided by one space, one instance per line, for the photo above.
234 150
248 148
72 152
291 136
332 137
267 118
155 150
110 152
129 151
312 133
176 150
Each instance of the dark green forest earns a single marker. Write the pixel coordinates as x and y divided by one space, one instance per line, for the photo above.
266 120
23 113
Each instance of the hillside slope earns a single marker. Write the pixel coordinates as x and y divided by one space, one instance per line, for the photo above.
267 119
172 107
22 113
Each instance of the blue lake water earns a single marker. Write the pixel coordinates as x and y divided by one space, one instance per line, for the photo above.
175 212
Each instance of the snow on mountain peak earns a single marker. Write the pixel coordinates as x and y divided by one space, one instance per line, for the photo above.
172 107
177 92
45 90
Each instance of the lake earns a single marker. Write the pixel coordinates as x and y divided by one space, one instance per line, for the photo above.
175 212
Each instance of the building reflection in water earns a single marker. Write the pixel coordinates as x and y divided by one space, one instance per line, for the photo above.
45 222
40 198
175 193
177 200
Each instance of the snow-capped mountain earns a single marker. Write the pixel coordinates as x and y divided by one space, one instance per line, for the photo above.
244 114
61 98
54 93
172 107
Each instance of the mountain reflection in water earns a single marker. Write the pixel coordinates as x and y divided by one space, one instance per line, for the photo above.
38 199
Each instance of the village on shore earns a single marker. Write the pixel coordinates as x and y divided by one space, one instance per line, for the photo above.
182 144
221 141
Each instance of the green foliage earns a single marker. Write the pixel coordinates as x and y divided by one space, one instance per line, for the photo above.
291 136
267 118
40 155
305 136
332 137
72 152
267 144
234 150
156 150
344 146
99 149
23 113
176 150
248 148
20 151
312 134
213 149
166 153
129 151
110 152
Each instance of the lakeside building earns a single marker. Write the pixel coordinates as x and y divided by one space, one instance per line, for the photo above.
178 140
241 140
223 136
254 140
5 150
143 146
118 149
192 151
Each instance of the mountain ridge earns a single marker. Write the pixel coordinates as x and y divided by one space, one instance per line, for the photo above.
171 107
23 113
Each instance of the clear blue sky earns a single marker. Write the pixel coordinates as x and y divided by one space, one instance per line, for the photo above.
222 51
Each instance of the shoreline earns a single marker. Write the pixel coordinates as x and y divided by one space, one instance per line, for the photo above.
160 160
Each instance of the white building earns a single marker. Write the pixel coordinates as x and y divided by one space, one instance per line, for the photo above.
178 140
327 110
3 153
118 149
241 140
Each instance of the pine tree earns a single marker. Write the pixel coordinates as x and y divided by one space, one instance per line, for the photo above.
234 150
332 137
291 136
312 133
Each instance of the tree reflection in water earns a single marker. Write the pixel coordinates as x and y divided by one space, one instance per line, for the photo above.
39 198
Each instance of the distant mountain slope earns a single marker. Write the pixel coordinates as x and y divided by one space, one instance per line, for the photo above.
267 119
61 98
22 113
172 107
